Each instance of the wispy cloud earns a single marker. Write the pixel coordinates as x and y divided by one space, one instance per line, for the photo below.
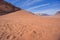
26 2
30 2
38 6
48 11
15 1
33 1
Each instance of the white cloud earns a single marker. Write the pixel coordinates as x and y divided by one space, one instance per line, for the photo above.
14 1
33 1
30 2
25 2
17 1
38 6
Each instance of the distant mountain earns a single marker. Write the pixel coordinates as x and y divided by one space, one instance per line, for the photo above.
6 7
57 13
42 14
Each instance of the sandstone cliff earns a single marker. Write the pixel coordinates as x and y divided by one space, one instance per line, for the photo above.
6 7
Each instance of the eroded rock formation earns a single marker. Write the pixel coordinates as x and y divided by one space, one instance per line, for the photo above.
57 13
6 7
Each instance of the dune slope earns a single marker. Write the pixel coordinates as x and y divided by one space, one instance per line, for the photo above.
23 25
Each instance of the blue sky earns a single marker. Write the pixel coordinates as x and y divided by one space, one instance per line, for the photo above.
38 6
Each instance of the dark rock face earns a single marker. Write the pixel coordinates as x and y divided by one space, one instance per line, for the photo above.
6 7
44 15
57 13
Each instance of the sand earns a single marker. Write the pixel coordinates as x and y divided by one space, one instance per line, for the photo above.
23 25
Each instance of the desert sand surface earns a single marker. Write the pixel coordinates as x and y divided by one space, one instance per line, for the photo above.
23 25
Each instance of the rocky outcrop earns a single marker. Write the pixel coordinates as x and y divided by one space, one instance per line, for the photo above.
57 13
6 7
44 14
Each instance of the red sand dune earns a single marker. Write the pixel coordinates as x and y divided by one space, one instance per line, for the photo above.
23 25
